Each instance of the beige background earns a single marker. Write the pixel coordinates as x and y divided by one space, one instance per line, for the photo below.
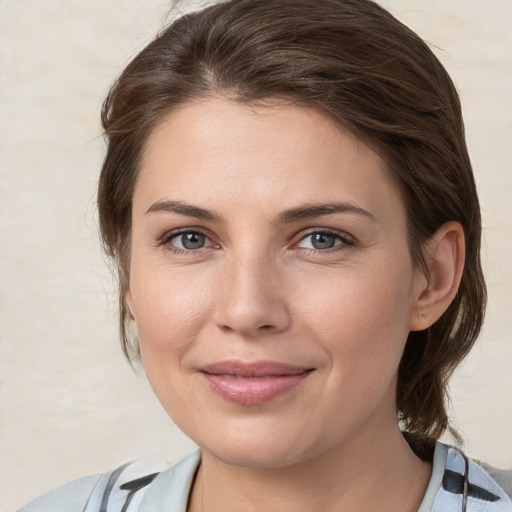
69 404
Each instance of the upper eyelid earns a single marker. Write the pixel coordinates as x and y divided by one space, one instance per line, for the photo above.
298 237
343 235
166 238
169 235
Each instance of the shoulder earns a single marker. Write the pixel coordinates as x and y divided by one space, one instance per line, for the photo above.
148 484
459 481
70 497
503 477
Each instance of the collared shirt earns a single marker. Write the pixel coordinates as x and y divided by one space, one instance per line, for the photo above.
456 482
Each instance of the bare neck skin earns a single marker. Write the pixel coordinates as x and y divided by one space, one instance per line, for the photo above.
374 470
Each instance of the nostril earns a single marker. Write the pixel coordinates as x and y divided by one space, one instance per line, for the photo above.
251 313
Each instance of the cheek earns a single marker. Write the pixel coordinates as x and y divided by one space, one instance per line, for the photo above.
362 318
170 312
169 309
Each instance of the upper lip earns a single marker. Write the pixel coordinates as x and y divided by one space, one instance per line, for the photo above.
253 369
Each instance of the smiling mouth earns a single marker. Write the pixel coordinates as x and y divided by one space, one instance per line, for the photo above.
253 383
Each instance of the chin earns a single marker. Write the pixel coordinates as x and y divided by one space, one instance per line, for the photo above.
255 455
260 446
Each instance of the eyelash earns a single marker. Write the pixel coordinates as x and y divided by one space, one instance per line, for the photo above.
165 240
346 241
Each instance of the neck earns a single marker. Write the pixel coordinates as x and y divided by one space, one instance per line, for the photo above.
368 472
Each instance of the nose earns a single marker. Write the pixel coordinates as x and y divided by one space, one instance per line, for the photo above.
251 299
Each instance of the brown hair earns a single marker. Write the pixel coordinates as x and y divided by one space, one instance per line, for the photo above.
353 61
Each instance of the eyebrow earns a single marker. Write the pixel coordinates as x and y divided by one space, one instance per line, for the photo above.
317 210
185 209
287 216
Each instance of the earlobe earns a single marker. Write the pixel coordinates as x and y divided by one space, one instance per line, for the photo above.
444 255
129 301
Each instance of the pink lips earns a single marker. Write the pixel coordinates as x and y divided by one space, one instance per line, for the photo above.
252 383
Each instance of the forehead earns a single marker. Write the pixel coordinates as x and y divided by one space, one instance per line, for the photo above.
219 150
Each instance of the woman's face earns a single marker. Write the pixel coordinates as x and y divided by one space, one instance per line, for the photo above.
270 280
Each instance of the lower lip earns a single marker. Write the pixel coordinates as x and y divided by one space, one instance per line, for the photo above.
253 391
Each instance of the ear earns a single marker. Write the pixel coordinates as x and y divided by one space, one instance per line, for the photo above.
444 255
129 300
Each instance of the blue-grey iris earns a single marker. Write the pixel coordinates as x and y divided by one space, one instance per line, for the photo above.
193 240
323 240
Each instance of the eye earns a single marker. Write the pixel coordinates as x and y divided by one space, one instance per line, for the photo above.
323 240
186 241
190 240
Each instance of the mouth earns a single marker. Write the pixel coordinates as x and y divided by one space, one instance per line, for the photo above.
253 383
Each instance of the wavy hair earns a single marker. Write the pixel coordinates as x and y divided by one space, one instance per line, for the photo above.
356 63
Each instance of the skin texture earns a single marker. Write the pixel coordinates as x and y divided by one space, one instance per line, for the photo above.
259 289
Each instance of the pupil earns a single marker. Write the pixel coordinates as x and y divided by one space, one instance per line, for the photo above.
192 240
323 241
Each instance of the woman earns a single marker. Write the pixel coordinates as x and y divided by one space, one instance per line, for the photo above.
294 217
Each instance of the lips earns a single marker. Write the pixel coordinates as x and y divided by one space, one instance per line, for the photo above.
252 383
